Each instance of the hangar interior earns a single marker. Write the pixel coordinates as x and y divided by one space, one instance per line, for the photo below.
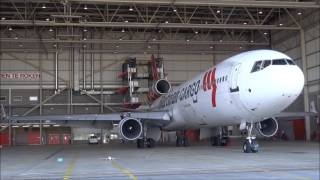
68 56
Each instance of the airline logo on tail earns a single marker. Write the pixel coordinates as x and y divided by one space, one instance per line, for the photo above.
209 82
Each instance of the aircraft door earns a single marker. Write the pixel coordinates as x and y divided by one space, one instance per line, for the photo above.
234 87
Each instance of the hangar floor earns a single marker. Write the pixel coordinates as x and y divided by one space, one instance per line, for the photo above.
276 160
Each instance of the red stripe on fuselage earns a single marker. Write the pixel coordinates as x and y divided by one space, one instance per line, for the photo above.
209 79
214 88
204 81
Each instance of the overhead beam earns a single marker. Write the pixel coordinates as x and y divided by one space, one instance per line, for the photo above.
108 41
145 25
229 3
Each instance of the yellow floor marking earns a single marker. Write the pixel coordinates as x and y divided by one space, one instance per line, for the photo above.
123 170
70 168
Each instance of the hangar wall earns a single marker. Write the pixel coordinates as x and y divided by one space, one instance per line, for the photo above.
290 43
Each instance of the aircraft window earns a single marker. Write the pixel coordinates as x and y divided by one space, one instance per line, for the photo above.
222 78
266 63
256 66
290 62
279 62
226 78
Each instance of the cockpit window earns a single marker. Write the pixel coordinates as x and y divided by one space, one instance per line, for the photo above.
256 66
266 63
290 62
279 62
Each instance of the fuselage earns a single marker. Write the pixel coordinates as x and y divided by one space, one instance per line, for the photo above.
247 87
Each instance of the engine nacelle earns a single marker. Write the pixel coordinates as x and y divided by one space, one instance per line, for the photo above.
267 127
159 88
130 128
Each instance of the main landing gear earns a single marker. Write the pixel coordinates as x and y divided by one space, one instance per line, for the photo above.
182 139
221 139
148 142
250 145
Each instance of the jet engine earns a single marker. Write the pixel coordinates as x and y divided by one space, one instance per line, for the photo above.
267 127
159 88
130 128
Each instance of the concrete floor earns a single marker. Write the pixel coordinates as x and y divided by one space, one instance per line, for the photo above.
276 160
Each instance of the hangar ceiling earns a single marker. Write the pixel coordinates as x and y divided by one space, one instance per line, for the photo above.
204 26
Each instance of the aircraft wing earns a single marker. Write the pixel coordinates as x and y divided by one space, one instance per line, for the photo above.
156 117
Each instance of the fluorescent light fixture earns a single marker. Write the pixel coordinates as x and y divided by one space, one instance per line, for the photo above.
33 98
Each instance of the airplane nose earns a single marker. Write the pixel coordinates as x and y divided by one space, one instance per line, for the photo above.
273 89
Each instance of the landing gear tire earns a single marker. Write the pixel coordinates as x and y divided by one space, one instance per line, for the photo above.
151 143
140 143
250 146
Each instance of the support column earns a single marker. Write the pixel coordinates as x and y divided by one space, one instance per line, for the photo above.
9 114
305 89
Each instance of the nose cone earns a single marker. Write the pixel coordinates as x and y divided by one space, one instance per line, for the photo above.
273 89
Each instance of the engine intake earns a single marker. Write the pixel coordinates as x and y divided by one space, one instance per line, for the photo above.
130 128
267 127
159 88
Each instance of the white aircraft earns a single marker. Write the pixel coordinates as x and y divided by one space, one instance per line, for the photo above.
249 89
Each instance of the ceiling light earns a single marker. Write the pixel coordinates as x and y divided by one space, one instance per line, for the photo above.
3 18
84 39
117 46
167 22
84 46
260 12
218 11
10 29
299 13
280 24
48 19
154 39
123 30
55 45
130 9
115 52
174 10
265 33
85 7
20 45
206 22
251 41
187 40
220 40
44 6
196 32
149 47
245 23
240 47
85 30
126 21
120 39
211 47
50 29
16 37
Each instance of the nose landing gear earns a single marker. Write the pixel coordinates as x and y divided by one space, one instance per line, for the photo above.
250 145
